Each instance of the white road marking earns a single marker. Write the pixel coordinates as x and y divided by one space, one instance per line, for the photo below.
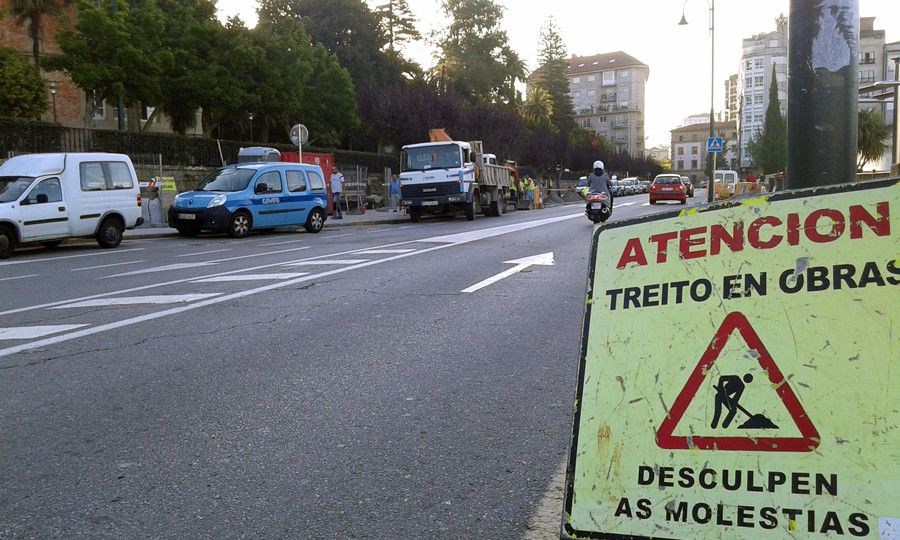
471 236
617 205
327 262
166 268
139 300
280 243
105 266
31 332
544 259
646 204
384 251
257 255
251 277
18 277
92 254
202 253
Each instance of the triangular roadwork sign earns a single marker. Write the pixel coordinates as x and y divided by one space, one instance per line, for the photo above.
807 442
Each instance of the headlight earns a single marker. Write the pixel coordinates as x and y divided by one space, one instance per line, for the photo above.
218 200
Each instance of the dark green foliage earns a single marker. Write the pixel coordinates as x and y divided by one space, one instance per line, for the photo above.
873 133
553 77
769 148
22 92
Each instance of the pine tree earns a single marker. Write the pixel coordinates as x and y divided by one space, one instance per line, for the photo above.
769 148
397 23
553 78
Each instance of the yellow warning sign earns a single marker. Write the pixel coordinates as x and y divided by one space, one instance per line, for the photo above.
739 372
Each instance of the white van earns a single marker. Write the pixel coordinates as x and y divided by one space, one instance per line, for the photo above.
46 198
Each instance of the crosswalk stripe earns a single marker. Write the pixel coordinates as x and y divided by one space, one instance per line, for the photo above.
138 300
31 332
250 277
166 268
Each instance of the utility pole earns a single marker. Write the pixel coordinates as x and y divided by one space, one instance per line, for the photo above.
822 93
121 104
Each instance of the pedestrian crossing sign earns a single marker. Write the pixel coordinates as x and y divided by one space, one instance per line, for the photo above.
714 144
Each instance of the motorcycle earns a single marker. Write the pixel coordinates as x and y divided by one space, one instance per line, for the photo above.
598 208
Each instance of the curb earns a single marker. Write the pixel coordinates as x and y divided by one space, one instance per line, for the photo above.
166 233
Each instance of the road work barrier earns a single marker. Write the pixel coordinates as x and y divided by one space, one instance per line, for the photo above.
757 398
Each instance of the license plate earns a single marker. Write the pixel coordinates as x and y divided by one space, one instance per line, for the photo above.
430 203
667 189
187 216
596 205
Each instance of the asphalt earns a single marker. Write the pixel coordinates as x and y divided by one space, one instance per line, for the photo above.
367 399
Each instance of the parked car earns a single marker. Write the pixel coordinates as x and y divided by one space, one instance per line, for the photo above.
668 187
239 198
688 185
634 183
46 198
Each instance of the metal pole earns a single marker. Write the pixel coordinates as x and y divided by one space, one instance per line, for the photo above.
822 92
710 190
895 159
121 104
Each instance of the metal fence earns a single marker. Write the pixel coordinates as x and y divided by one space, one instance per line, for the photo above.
24 136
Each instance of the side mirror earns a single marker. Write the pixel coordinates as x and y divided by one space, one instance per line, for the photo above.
261 187
42 198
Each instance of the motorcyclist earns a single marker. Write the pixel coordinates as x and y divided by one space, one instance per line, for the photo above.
600 182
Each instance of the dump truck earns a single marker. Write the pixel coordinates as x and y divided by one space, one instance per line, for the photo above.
444 176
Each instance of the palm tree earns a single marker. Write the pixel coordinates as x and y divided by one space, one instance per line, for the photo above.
32 12
872 134
538 106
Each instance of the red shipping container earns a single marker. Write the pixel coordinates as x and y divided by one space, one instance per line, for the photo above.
325 161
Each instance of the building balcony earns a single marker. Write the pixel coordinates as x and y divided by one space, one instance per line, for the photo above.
608 96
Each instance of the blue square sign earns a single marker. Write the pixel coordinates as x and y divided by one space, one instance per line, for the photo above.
714 144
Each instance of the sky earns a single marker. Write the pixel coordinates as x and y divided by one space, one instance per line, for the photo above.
678 56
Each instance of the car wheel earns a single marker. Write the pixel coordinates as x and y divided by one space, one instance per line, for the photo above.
415 214
473 207
315 222
7 242
240 225
684 201
189 233
51 244
109 235
652 201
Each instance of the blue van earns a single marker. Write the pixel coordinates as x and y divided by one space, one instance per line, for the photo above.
238 198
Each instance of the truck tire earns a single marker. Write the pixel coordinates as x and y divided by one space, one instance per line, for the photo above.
498 205
473 207
415 214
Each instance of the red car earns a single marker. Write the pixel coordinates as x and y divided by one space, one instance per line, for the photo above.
668 187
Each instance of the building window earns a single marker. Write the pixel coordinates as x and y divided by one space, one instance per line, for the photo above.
592 93
693 163
758 63
866 75
100 110
576 80
680 165
680 150
693 149
681 138
748 100
609 77
577 94
758 99
602 119
622 74
757 81
866 57
774 44
592 78
748 64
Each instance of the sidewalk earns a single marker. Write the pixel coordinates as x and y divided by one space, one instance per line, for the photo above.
370 218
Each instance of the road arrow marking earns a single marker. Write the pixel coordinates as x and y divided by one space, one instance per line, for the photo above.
544 259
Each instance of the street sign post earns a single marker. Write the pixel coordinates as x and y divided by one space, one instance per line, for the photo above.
299 135
713 146
739 372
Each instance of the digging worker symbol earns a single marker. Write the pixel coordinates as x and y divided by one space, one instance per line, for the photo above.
728 395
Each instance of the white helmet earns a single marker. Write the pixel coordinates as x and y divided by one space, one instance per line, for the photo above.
598 164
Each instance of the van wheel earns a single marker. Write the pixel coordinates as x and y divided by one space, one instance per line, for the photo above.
240 225
51 243
315 221
7 242
109 235
415 214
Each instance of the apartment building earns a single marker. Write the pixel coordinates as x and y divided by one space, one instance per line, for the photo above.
607 93
689 148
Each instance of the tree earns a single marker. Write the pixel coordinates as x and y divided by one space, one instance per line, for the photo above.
109 56
397 23
872 135
22 93
553 78
32 13
538 107
769 148
476 59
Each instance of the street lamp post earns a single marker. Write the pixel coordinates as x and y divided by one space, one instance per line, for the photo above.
53 96
251 127
710 189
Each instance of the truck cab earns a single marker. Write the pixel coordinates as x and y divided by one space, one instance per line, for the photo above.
436 175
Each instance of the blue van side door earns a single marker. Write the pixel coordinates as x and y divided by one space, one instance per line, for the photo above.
269 206
299 199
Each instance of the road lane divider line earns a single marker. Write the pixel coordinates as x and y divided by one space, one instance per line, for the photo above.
32 332
202 253
327 262
481 234
251 277
165 268
18 277
96 253
385 251
281 243
139 300
185 280
105 266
